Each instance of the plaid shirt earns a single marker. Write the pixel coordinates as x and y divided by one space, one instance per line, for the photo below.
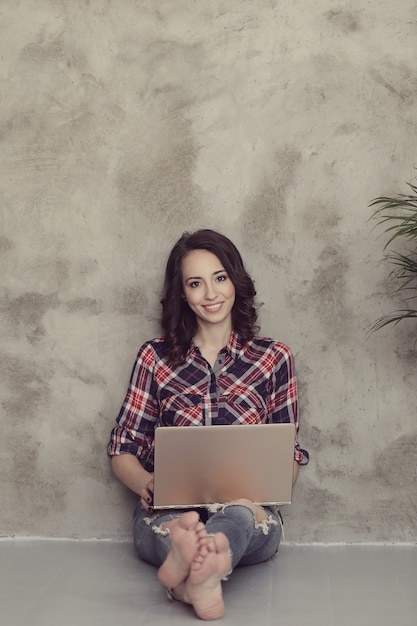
252 383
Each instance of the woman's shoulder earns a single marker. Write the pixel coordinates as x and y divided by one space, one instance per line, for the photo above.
155 342
268 344
152 348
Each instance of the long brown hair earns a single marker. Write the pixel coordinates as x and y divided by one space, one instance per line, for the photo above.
178 320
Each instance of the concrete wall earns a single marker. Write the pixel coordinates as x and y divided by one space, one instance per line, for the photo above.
122 124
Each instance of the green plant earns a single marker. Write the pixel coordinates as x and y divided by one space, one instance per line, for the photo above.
399 216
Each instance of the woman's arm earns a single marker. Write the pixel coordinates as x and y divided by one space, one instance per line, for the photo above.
282 401
139 413
128 469
132 438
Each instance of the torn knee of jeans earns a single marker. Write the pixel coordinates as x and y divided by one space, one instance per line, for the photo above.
158 530
266 524
216 507
149 520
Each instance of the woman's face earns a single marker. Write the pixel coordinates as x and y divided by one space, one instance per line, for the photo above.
207 288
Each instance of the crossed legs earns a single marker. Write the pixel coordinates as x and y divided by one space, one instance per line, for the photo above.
197 562
195 566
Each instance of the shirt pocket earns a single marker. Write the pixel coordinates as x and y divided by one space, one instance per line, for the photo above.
247 407
184 409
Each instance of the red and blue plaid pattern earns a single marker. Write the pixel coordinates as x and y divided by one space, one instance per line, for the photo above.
255 384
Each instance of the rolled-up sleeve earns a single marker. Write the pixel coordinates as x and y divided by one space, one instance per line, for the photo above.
139 413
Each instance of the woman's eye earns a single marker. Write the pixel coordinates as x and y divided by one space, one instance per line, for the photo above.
222 277
194 284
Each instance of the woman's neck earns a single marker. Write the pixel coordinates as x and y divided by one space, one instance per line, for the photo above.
211 340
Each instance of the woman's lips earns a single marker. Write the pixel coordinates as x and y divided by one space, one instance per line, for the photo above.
213 308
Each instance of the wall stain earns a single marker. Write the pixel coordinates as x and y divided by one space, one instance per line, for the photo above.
87 266
57 52
326 292
402 93
62 270
25 312
319 219
346 21
338 437
27 386
265 213
396 466
22 451
84 374
90 305
90 459
131 301
154 178
409 357
408 360
328 289
5 245
399 514
320 502
39 52
162 189
94 380
347 129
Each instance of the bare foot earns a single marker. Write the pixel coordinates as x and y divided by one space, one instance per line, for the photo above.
204 584
187 537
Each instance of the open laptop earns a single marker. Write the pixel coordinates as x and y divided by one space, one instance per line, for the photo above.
201 465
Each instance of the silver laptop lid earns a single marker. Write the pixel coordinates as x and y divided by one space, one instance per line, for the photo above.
201 465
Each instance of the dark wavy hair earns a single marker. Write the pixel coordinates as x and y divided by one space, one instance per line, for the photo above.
178 320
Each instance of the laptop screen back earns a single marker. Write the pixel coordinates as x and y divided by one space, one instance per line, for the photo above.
201 465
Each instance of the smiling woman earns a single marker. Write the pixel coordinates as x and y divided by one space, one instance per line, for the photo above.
209 368
179 321
210 294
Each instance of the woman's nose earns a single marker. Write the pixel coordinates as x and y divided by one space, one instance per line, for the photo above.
210 292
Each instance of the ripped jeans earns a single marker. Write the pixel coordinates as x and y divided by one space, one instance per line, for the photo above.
250 542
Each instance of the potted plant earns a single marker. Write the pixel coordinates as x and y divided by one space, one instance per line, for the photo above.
399 217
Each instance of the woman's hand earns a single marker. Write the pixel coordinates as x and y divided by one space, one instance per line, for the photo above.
130 472
146 495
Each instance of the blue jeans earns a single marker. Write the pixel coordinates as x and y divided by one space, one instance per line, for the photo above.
249 541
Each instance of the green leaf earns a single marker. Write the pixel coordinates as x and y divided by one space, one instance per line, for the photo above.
398 217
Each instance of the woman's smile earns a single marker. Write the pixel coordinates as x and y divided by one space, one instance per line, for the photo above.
208 290
213 308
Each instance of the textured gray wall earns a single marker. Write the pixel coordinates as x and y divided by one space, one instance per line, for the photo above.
125 122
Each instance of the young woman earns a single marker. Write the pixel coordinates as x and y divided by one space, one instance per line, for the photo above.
209 368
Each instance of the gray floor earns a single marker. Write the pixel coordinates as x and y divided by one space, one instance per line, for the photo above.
58 583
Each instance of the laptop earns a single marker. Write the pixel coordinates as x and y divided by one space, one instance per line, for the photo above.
200 465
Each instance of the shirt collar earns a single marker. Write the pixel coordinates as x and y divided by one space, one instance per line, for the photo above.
233 347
